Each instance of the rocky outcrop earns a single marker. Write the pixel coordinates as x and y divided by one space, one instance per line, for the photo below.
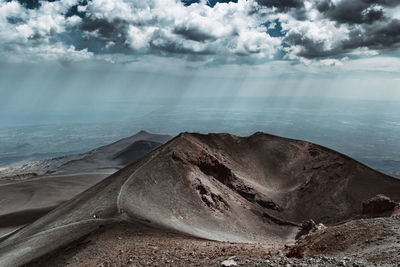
308 227
378 204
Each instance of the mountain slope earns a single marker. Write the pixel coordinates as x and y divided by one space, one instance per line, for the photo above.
106 157
25 198
99 158
216 186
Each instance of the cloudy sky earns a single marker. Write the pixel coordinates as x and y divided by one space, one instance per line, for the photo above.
55 51
322 32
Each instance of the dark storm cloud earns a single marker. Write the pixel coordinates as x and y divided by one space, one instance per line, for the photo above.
282 5
103 28
32 4
295 7
324 5
310 48
193 34
371 15
355 11
14 20
388 3
211 3
171 47
100 36
368 25
382 36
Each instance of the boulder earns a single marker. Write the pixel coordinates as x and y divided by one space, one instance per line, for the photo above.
307 227
378 204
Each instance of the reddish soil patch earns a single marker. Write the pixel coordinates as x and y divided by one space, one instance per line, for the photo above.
124 244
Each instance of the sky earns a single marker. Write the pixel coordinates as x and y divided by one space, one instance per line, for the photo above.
75 54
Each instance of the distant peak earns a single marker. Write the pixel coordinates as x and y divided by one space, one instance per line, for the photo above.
142 132
258 134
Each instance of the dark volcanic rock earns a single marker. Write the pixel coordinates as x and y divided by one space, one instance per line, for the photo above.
306 227
378 204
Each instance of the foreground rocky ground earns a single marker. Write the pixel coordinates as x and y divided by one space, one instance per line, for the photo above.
123 245
120 245
365 242
375 241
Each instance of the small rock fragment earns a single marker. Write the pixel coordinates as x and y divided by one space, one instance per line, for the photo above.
229 262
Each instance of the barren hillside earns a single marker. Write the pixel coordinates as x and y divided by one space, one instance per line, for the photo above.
217 186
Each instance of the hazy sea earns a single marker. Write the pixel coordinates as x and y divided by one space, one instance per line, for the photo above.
366 130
